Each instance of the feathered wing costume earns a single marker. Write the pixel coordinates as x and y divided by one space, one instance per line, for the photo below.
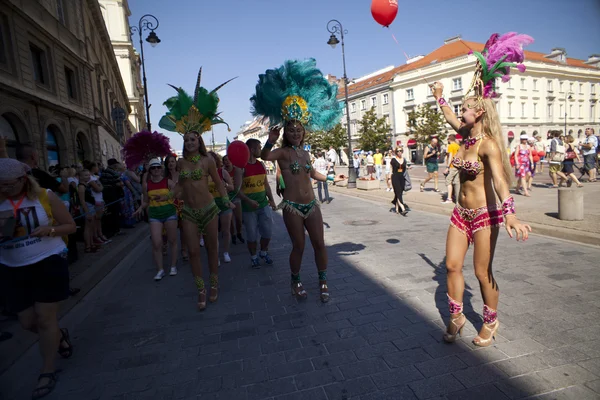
197 114
499 54
297 91
143 146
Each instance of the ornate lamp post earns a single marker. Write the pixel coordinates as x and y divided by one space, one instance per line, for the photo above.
147 22
334 26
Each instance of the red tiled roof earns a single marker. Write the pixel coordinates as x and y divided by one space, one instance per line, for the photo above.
447 52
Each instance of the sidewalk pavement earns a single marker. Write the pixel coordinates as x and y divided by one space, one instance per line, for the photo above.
378 338
85 273
540 210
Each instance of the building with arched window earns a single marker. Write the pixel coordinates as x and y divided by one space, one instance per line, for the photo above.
57 68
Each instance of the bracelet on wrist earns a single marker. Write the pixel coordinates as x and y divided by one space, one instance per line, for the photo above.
442 102
268 144
508 206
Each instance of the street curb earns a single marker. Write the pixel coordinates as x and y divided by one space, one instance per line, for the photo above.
22 340
562 233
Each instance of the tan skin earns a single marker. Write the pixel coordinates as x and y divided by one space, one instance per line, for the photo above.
299 190
523 181
476 192
174 176
225 218
195 194
238 177
42 318
156 228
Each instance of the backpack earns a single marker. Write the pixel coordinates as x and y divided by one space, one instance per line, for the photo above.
45 202
559 154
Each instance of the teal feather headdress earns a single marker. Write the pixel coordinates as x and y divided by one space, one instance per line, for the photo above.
197 114
297 91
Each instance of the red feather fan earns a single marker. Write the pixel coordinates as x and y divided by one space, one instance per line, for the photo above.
143 146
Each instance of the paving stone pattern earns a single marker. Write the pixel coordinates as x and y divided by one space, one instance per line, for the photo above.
378 338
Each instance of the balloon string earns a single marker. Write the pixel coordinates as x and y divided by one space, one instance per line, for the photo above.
407 58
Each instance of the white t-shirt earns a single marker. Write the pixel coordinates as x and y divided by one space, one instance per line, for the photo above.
370 160
29 250
97 195
594 141
321 165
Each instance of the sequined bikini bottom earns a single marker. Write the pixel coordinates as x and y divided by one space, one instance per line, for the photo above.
302 210
469 221
201 217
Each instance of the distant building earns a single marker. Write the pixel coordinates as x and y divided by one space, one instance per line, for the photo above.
59 81
116 15
255 129
553 90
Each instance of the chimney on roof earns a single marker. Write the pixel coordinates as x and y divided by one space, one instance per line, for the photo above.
594 60
558 54
453 39
413 59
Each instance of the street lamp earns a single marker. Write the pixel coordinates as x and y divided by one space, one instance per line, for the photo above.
334 26
567 97
147 22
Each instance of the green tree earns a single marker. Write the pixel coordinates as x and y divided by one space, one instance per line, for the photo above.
321 140
425 122
373 132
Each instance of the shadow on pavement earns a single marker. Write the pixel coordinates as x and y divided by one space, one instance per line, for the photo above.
378 338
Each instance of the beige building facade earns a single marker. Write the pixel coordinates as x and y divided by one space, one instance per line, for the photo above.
116 15
59 81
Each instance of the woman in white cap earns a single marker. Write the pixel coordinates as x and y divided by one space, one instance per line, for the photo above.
162 213
34 274
523 163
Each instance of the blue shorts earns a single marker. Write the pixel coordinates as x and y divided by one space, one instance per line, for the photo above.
91 209
589 161
258 222
173 217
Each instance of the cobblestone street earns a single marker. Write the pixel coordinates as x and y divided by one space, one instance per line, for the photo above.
378 338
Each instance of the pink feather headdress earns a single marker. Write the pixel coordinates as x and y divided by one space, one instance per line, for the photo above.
499 54
143 146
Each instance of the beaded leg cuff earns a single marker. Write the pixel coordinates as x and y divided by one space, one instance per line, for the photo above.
454 306
295 278
489 315
323 275
199 283
214 280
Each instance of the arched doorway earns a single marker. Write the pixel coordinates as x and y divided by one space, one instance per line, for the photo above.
52 149
579 132
83 149
9 131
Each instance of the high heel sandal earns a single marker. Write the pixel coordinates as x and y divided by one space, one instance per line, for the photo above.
214 294
202 300
214 288
324 292
298 290
478 341
451 337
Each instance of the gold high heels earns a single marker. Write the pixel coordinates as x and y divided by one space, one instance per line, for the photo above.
202 300
458 323
492 329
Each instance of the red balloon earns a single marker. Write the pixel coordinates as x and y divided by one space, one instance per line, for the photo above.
384 11
238 153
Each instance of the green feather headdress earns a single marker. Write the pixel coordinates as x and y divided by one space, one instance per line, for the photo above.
297 91
197 114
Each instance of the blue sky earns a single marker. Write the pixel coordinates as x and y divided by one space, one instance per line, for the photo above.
243 38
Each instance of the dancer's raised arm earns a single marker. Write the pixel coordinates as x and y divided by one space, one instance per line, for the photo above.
438 89
271 155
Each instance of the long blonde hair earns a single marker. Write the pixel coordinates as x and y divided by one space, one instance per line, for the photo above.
490 123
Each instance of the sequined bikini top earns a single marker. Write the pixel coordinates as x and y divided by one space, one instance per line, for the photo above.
473 168
295 166
196 174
